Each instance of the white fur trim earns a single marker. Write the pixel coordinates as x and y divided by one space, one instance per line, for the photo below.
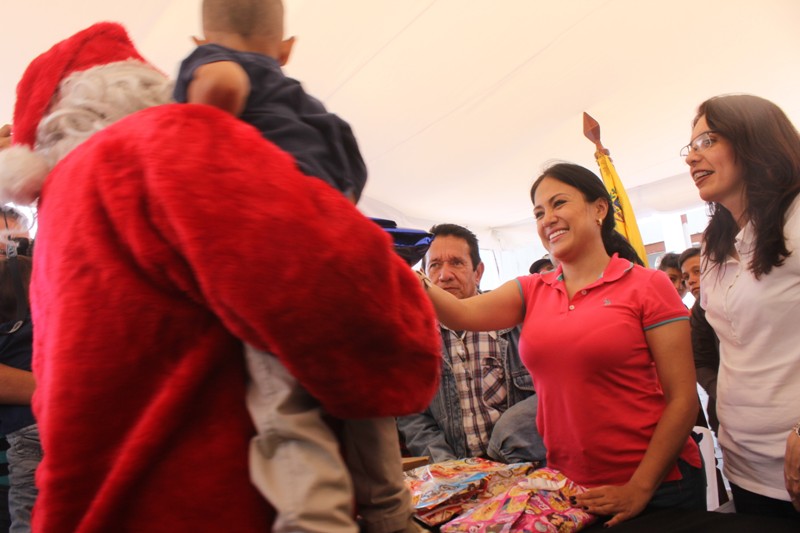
22 175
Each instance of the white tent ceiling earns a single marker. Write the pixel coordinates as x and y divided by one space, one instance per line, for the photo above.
458 104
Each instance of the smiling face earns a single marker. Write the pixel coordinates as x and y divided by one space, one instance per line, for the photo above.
565 221
691 275
717 174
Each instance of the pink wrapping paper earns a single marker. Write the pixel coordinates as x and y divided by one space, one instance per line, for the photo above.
443 490
538 503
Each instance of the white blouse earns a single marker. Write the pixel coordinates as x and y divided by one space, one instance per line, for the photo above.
758 388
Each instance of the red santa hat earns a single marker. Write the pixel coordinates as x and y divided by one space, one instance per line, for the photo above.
22 172
101 44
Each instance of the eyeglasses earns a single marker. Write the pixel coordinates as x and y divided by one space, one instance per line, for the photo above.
699 144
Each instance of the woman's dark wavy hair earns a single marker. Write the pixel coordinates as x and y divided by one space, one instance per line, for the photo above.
592 188
767 146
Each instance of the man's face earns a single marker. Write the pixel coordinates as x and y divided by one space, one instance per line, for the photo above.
691 275
449 266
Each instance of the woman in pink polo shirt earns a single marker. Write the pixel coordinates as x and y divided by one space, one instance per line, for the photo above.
608 345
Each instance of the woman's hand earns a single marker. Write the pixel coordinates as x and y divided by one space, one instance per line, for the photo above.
5 136
791 468
619 502
424 279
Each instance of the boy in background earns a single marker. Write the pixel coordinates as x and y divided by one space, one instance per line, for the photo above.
668 263
295 459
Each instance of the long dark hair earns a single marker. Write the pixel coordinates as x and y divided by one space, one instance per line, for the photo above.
592 189
767 146
8 288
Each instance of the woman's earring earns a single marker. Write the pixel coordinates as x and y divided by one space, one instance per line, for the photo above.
600 222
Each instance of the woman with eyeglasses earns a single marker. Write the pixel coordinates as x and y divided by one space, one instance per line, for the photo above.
744 158
608 345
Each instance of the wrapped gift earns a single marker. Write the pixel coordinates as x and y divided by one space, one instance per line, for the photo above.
537 503
443 490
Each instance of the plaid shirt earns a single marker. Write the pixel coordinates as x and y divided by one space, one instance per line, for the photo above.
481 383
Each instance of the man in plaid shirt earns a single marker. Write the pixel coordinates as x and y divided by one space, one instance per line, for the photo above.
485 405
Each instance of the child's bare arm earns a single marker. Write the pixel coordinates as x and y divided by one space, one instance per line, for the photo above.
223 84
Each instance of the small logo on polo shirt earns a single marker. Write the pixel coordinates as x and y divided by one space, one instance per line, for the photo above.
606 301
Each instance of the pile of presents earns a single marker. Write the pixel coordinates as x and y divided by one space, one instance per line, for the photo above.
477 495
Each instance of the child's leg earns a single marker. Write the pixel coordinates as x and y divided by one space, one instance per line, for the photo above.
372 450
295 460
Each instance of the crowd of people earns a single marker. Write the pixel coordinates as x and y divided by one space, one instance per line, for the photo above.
181 382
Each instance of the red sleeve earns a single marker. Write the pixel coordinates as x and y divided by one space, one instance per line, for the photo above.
286 262
661 303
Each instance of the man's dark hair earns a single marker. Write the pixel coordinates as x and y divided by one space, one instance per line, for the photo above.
687 254
9 291
454 230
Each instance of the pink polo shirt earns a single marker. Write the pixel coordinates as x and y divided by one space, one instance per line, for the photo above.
599 394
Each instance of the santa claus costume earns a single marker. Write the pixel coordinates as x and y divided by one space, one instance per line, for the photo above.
165 239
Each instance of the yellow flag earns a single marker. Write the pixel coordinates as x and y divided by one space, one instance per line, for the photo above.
623 211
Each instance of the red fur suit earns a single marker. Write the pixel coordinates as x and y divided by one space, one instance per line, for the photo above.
163 240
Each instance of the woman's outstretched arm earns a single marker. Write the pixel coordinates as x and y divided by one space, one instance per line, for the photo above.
500 308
